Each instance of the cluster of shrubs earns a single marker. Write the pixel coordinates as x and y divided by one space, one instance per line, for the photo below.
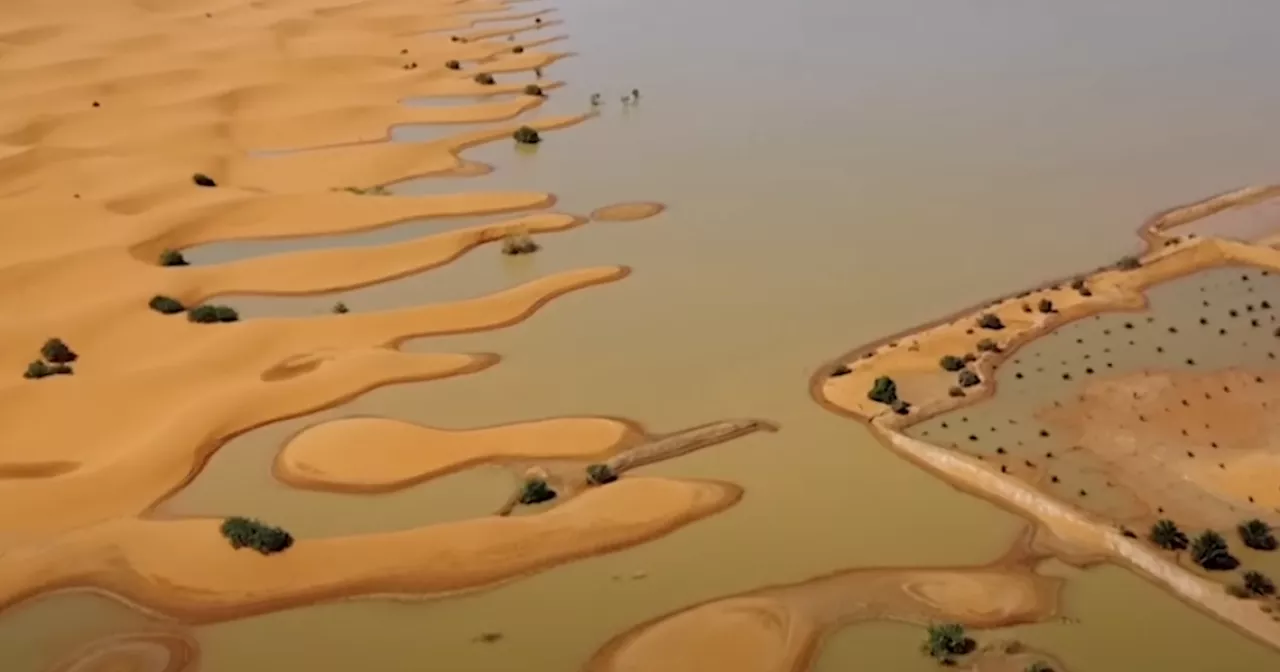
526 136
947 640
250 533
209 314
885 391
56 359
536 491
1210 551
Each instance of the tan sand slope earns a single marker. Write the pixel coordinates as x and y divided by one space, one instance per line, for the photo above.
377 454
186 570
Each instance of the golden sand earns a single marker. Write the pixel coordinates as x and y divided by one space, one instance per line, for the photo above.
378 455
911 359
109 109
627 212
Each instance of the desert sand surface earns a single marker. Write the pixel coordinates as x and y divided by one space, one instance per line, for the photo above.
140 652
912 359
779 629
114 115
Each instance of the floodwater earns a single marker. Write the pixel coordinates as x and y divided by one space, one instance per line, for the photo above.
836 170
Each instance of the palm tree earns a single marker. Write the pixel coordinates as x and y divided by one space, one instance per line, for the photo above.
946 640
1166 535
1257 535
1258 583
1209 550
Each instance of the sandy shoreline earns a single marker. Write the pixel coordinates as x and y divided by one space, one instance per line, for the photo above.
912 357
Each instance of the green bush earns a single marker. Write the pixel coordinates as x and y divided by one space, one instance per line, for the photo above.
172 258
951 363
453 65
1209 550
884 390
536 491
484 78
208 314
1257 535
599 474
945 640
1258 583
968 378
1166 535
57 352
250 533
526 136
203 180
165 304
532 90
990 321
39 369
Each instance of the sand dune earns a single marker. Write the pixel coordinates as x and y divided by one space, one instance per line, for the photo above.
186 570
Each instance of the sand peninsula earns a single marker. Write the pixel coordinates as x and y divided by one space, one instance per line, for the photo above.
903 381
132 131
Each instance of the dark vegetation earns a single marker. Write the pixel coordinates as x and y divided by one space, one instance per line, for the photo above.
56 359
39 369
165 305
990 321
968 378
536 491
453 65
172 258
951 363
600 474
1257 583
484 78
526 136
900 407
340 308
209 313
203 180
988 345
1257 535
1166 535
250 533
1129 263
884 390
518 242
517 49
1045 306
532 90
945 641
1209 550
57 352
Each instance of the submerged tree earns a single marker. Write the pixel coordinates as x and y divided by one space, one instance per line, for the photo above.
1166 535
1257 535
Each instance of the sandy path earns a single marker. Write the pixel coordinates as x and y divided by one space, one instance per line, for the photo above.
186 570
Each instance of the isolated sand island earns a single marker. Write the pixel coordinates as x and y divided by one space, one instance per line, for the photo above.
134 131
1136 428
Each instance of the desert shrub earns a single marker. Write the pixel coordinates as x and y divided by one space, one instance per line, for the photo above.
1045 306
57 352
1257 583
250 533
166 305
955 391
518 242
945 640
532 90
536 491
39 369
203 180
526 136
172 258
517 49
1166 535
988 345
1257 535
884 390
968 378
951 363
990 321
1209 550
340 308
900 407
453 65
455 38
599 474
1129 263
209 313
484 78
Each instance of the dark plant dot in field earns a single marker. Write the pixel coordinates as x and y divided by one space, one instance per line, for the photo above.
1159 348
1053 479
1233 312
1204 321
973 437
1173 330
1066 376
1044 432
1191 362
1004 469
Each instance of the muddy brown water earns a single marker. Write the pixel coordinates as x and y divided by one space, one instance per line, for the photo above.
836 171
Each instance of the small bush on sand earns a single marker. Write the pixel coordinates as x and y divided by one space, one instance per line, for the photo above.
517 49
968 378
599 474
39 369
166 305
518 242
988 345
208 314
1257 583
536 491
1166 535
340 308
484 78
526 136
1045 306
900 407
951 363
250 533
172 258
1129 263
532 90
990 321
884 390
1257 535
57 352
453 65
945 640
1209 550
203 180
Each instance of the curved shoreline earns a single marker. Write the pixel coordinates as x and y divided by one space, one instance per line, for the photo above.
1163 260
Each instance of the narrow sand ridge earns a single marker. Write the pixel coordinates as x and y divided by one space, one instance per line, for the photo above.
779 629
627 212
185 569
912 360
